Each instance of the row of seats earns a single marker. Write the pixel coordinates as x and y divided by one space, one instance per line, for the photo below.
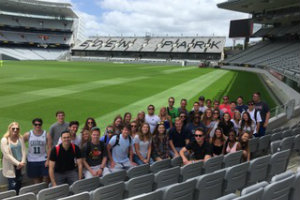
209 185
277 31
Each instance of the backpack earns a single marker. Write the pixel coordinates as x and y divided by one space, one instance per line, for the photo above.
255 115
57 147
118 140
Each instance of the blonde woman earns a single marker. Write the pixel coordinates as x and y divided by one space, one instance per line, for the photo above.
14 156
142 146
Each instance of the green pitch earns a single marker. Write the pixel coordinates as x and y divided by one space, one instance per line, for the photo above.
103 90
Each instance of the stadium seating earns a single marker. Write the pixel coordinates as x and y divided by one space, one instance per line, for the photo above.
35 188
232 159
80 196
54 192
191 171
138 171
85 185
139 185
6 194
213 164
27 196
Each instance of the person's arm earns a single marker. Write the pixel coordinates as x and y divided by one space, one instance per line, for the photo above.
267 119
51 172
7 154
87 166
149 151
79 164
206 157
49 143
26 137
138 153
23 152
248 154
112 162
184 159
173 148
131 156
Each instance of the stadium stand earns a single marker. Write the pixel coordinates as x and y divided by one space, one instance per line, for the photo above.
31 30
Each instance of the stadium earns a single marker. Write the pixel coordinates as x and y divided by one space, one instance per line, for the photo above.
47 65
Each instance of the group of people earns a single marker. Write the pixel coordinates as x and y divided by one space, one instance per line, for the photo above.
63 156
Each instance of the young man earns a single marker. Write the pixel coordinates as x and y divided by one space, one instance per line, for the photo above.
240 105
172 111
208 103
151 118
57 128
65 165
201 149
37 164
73 128
178 138
232 109
195 109
255 116
225 106
193 125
182 108
264 110
94 156
202 107
118 150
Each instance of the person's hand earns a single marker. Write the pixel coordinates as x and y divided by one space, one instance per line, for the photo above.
145 161
94 173
53 184
20 165
47 163
186 162
133 163
99 172
112 164
176 154
265 125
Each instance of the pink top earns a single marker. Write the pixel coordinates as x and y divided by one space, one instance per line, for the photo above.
232 149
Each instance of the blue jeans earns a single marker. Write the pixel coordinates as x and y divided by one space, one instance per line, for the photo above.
261 131
137 160
15 183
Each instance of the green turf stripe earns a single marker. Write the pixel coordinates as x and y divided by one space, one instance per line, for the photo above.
185 90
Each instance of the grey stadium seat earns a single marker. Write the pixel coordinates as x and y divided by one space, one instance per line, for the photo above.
297 143
3 180
255 195
213 164
6 194
279 190
263 144
180 191
114 191
258 169
210 186
54 192
138 171
287 143
278 163
254 187
236 177
35 188
286 133
276 136
296 190
27 196
177 161
160 165
228 197
275 146
253 144
139 185
113 177
232 159
155 195
85 185
166 177
282 176
79 196
191 171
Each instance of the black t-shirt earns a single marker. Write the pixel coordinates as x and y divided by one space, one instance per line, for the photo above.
199 151
65 160
178 138
191 127
94 154
263 108
226 127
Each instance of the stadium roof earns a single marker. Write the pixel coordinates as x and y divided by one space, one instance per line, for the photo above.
34 7
255 6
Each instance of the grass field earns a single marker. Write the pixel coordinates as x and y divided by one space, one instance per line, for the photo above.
103 90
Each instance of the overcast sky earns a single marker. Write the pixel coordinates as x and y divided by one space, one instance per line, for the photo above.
157 17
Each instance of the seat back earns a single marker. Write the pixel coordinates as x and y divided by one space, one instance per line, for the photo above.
27 196
155 195
253 144
297 143
264 143
282 176
113 177
80 196
177 161
160 165
114 191
286 133
236 177
276 136
279 189
85 185
275 146
287 143
180 191
138 171
258 169
139 185
210 186
191 171
254 187
166 177
295 190
232 159
213 164
228 197
35 188
255 195
278 163
54 192
6 194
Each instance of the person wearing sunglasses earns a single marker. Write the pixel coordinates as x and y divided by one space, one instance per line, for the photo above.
225 106
172 111
199 147
14 156
37 162
89 124
151 118
255 116
109 132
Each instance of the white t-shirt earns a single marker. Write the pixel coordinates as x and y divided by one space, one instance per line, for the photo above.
152 120
258 117
143 145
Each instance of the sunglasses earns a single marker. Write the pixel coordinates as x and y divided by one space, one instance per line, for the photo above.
15 129
171 101
182 116
216 113
150 108
196 135
250 104
133 125
90 122
37 124
110 131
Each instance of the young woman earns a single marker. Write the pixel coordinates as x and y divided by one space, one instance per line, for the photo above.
127 118
225 124
244 145
231 145
215 122
14 156
236 121
142 145
109 132
85 137
134 129
217 142
160 143
164 117
140 119
207 120
118 125
89 124
247 124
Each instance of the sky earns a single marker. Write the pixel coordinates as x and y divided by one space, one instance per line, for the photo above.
154 17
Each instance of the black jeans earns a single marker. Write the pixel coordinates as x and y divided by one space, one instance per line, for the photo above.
15 183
